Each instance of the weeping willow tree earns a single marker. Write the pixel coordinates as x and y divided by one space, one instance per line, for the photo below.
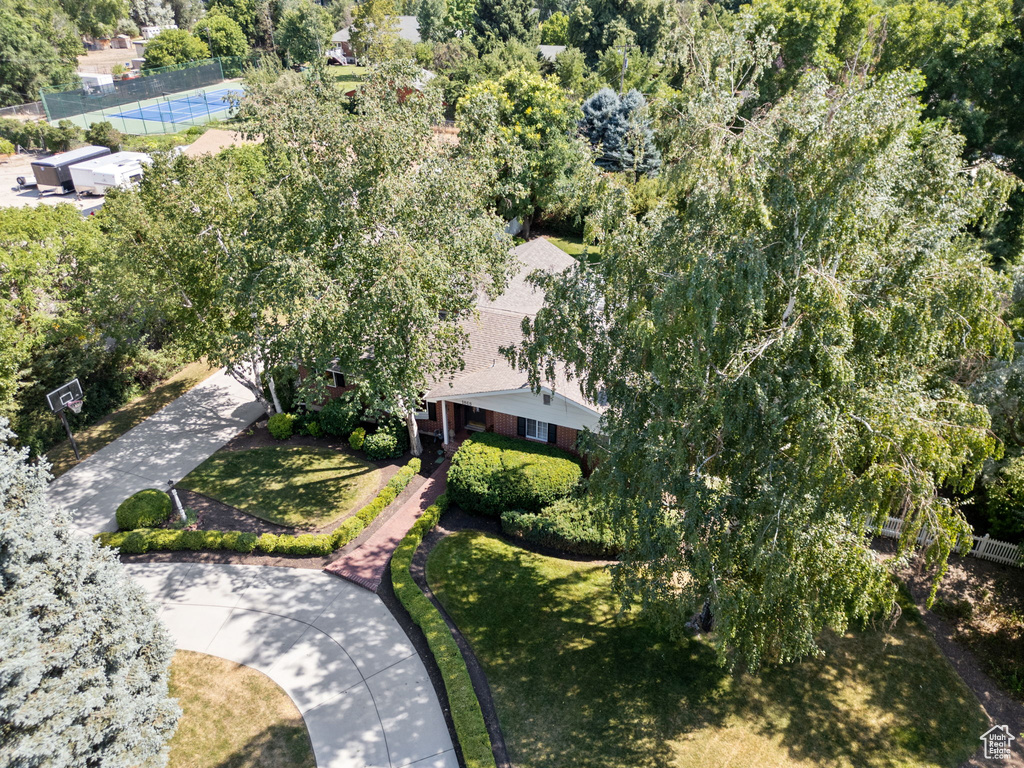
778 345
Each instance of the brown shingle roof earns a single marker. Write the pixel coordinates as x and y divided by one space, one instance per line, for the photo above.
499 324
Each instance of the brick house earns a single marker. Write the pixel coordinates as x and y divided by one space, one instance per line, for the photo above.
489 394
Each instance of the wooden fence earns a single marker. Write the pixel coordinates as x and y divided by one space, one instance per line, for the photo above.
981 546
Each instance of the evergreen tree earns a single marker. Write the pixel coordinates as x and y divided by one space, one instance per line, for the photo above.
502 20
83 657
617 128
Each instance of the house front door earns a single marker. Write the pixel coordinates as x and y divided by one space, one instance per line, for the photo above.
460 417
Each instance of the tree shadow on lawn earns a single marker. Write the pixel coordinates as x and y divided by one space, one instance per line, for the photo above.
574 684
279 746
280 485
577 683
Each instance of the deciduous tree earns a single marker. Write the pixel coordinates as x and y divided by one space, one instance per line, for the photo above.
174 46
774 347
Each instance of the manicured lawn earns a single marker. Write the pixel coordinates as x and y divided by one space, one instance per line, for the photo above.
111 427
288 485
347 77
233 717
572 245
575 684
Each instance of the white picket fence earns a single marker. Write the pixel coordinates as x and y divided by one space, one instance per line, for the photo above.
980 546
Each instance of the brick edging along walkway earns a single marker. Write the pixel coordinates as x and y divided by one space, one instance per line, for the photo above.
367 564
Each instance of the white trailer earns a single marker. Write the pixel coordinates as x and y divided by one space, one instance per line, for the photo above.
122 170
97 176
97 82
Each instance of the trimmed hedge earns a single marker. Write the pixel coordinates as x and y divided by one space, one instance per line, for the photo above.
567 525
340 415
143 510
465 707
381 445
138 542
491 473
281 425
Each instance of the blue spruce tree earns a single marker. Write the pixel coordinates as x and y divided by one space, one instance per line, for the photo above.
617 128
83 657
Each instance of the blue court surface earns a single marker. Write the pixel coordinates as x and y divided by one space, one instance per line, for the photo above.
183 109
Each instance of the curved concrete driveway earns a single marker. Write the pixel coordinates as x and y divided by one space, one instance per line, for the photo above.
333 647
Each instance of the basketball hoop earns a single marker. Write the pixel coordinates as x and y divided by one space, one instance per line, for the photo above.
75 406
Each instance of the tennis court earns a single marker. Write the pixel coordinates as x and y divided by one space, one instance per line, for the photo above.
184 109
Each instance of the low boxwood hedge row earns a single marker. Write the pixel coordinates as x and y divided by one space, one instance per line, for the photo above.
142 540
465 707
491 473
567 525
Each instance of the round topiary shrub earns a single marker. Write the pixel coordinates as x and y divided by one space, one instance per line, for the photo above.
357 438
281 425
491 473
381 445
340 416
145 509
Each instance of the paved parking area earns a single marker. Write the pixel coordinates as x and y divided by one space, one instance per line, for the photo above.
11 197
334 648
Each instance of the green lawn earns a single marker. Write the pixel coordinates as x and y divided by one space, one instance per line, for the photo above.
573 245
575 684
347 77
233 717
289 485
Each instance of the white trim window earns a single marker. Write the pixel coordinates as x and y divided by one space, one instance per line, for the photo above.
335 379
537 430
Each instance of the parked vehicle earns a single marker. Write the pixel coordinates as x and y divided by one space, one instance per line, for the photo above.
96 176
55 171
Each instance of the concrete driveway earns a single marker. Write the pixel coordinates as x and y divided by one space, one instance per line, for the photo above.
166 446
333 647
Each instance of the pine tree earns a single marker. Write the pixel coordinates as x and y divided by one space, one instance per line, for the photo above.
83 658
615 126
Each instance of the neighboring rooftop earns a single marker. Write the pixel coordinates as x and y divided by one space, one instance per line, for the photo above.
408 29
549 52
215 140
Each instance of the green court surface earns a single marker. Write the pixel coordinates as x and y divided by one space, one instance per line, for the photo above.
167 113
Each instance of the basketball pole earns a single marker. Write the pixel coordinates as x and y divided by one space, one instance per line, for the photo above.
71 437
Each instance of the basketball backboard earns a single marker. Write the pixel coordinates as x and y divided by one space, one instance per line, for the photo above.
60 397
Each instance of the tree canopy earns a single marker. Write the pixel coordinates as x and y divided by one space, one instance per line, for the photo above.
83 657
174 46
222 34
775 345
620 131
359 248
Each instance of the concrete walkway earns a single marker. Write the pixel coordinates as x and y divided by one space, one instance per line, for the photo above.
334 648
166 446
366 564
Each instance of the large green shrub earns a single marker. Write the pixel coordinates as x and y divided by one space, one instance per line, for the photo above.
381 445
467 716
1005 506
568 525
357 438
281 425
144 509
340 415
491 473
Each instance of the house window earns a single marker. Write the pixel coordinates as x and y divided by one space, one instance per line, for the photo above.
335 379
432 411
532 429
547 399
